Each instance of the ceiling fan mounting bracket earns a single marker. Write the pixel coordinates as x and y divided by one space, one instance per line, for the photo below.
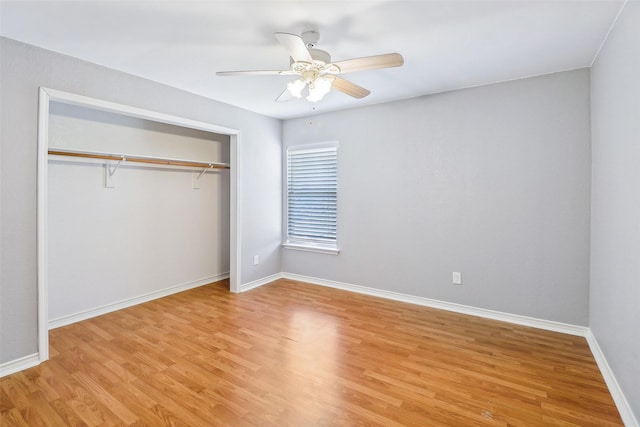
310 38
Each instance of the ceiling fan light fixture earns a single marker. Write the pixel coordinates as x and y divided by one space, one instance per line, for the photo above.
295 88
319 88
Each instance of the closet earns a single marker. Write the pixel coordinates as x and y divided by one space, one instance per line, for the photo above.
136 209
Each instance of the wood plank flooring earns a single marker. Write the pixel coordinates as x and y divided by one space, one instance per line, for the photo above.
290 353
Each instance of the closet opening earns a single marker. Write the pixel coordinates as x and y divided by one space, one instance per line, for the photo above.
133 205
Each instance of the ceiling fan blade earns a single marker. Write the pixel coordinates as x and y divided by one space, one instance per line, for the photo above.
370 62
349 88
256 73
295 46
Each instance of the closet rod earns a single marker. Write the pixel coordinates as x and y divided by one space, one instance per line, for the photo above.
139 159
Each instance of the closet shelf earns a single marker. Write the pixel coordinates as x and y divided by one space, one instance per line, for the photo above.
139 159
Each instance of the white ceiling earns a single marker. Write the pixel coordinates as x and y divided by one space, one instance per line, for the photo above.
446 44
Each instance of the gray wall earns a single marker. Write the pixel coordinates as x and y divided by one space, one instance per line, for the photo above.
493 182
23 69
614 314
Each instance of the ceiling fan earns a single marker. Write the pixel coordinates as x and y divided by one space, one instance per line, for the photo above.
316 71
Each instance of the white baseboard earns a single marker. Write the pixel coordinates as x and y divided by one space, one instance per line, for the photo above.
20 364
260 282
443 305
626 413
108 308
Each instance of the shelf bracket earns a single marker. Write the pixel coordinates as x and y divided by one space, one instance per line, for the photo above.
195 178
109 172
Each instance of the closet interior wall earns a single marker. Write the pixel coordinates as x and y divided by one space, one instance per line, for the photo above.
151 233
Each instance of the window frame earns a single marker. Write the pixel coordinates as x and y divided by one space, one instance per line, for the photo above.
309 245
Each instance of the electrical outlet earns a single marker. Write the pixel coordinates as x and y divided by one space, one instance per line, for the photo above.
457 278
256 260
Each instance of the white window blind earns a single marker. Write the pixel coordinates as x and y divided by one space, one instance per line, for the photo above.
312 184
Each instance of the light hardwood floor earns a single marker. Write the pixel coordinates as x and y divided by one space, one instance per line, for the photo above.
290 353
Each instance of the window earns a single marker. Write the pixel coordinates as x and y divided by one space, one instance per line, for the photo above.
312 197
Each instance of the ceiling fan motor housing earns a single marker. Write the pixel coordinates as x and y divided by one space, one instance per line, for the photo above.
320 55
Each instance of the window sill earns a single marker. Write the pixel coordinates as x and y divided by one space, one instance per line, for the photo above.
310 247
